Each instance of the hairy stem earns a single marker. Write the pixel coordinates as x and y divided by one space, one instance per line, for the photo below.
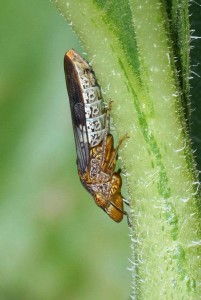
132 47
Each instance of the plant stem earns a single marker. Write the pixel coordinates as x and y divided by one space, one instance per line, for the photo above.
132 51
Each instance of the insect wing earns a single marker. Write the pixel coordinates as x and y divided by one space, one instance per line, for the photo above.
77 113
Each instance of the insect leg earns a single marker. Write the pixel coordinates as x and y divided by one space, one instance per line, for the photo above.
107 130
126 201
123 212
117 149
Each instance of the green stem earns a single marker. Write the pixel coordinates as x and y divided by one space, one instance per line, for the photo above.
132 50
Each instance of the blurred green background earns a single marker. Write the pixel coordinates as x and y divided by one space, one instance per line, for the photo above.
54 242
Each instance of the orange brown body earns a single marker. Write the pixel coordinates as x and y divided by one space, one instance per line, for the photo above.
103 181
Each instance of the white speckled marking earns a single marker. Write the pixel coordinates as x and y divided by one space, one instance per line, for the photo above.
94 107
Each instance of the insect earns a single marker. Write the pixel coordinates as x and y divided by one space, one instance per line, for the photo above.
96 155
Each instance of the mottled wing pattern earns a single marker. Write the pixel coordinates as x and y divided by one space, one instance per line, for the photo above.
77 114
